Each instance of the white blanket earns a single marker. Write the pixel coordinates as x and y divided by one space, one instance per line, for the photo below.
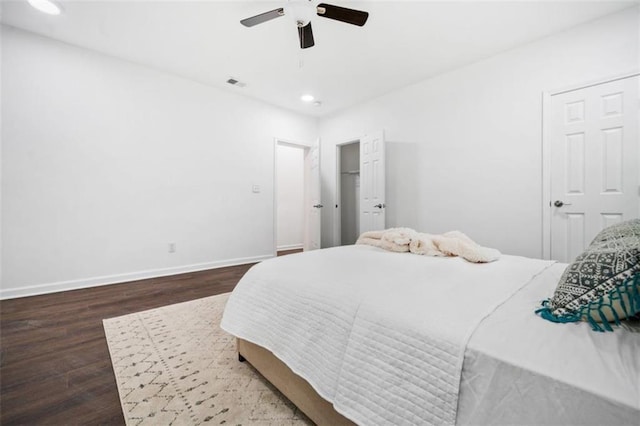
381 335
452 243
520 369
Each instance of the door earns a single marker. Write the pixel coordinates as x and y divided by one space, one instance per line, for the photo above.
594 163
372 182
313 201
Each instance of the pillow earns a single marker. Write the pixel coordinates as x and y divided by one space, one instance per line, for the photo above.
602 286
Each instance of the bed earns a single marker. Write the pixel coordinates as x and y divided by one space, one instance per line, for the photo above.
357 334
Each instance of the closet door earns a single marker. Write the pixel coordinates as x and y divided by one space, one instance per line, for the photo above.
594 163
313 203
372 182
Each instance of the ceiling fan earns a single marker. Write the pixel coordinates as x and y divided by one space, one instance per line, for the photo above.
302 11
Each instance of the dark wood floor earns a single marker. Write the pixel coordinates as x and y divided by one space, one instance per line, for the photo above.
54 362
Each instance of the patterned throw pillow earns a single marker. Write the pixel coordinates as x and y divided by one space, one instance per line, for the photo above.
602 286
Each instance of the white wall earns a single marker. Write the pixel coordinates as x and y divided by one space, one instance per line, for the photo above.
290 197
104 163
464 148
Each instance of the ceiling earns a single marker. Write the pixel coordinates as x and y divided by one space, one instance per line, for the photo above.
402 43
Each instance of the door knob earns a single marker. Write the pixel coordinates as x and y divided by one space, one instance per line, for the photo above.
318 206
559 203
379 206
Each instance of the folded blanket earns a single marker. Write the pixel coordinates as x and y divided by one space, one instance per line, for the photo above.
397 239
424 244
371 238
373 235
394 239
453 243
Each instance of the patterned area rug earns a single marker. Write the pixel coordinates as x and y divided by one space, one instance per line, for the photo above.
175 366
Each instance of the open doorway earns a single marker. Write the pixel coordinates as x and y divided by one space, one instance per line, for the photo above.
290 184
348 192
360 187
297 202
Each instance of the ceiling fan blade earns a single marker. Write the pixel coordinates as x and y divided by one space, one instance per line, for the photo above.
263 17
350 16
306 36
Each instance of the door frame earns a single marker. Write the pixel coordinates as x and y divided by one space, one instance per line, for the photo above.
337 218
306 147
546 152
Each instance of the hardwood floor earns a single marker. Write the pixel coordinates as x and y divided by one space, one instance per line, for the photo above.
286 252
54 362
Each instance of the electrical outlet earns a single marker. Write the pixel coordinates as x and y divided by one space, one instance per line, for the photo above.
256 189
172 247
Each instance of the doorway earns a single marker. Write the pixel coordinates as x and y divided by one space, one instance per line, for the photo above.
591 159
296 195
348 190
360 187
290 197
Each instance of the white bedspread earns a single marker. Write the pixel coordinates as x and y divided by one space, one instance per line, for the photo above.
381 335
520 369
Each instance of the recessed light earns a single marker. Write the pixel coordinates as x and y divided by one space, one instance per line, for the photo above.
47 6
307 98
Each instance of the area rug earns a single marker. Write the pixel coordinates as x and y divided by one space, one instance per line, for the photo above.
175 366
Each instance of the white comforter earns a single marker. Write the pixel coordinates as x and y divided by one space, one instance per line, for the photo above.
522 370
381 335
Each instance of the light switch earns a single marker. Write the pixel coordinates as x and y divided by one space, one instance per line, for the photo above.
256 189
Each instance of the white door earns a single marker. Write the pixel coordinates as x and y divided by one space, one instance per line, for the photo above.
372 182
313 202
594 163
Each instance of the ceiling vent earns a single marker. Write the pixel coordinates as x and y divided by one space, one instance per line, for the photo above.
235 82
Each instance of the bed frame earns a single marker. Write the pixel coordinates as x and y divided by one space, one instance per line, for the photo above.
294 387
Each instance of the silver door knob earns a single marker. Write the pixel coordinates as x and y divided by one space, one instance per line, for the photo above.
318 206
559 203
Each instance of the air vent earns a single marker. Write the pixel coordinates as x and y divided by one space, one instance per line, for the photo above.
235 82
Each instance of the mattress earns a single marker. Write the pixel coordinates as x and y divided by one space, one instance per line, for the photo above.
383 337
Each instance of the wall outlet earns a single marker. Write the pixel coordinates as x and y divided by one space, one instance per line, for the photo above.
172 247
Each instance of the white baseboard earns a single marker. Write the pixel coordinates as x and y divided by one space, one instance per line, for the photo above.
290 247
34 290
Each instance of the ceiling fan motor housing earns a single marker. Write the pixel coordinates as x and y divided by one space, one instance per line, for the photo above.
302 11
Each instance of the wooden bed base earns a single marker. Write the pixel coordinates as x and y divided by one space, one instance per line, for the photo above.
294 387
